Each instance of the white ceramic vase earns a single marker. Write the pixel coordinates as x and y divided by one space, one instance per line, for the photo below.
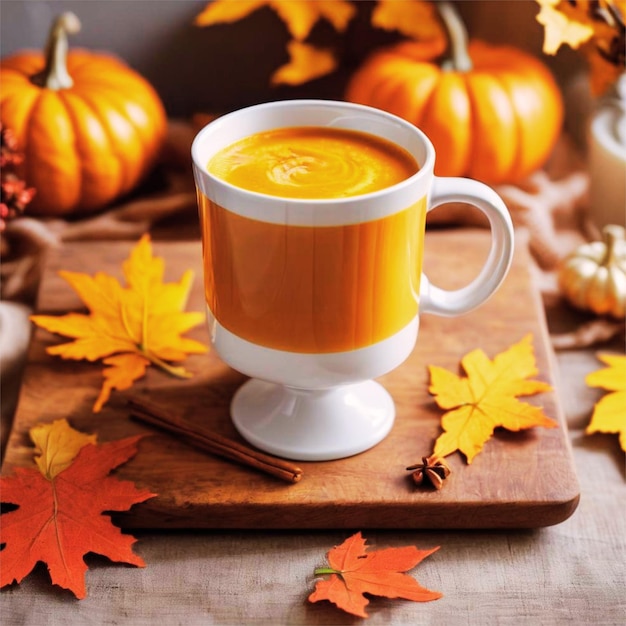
607 159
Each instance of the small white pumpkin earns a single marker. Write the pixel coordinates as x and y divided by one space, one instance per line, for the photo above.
593 277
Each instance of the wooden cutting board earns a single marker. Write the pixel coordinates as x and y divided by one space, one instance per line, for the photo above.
519 480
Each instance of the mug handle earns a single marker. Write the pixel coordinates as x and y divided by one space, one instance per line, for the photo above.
456 302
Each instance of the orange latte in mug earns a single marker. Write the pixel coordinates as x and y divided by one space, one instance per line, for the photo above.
306 287
313 218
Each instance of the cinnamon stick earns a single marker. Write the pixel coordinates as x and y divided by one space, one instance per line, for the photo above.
214 443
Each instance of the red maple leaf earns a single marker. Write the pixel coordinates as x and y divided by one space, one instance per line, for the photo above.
354 572
60 518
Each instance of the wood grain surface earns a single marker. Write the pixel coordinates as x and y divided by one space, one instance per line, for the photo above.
519 480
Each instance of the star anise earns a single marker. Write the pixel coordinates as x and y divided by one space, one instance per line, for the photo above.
431 471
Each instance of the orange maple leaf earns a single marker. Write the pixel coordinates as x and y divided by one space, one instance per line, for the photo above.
354 571
140 324
486 398
609 413
60 515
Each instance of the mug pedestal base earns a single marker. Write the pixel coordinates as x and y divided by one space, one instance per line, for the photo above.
312 424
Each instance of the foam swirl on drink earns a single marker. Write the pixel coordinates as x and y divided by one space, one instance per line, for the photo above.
313 163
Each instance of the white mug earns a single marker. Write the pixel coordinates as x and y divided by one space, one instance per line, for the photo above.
302 301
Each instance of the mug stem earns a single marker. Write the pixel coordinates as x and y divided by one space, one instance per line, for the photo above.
313 424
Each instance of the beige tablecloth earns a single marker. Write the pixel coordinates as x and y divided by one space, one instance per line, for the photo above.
570 573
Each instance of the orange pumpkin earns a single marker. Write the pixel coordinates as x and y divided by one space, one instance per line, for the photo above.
492 112
90 127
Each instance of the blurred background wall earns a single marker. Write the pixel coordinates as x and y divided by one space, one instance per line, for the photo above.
228 66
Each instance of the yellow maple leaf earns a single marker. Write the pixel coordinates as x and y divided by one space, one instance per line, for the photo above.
416 19
123 371
56 446
609 413
307 63
227 11
595 28
562 25
141 323
486 398
298 15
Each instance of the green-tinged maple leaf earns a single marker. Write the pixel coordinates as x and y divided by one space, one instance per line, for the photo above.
486 398
609 413
354 571
141 324
60 515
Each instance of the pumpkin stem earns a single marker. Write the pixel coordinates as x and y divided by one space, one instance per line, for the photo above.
459 59
612 234
55 75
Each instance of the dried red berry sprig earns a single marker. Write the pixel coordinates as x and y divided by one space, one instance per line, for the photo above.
14 194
